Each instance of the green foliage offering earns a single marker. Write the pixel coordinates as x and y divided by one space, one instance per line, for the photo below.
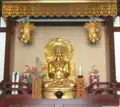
42 76
29 80
34 72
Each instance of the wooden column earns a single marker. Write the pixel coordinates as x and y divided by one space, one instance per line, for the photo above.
110 37
9 33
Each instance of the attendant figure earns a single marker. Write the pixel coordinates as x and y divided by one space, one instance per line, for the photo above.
94 77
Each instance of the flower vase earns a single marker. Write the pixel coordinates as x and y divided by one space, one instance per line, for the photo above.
36 88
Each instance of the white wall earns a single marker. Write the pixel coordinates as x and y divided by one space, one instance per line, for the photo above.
117 48
2 54
117 54
2 48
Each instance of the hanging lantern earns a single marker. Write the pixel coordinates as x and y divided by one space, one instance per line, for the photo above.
94 31
26 29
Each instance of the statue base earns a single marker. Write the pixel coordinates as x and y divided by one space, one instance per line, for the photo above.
68 93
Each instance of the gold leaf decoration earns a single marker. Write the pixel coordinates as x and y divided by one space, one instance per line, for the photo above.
59 9
94 31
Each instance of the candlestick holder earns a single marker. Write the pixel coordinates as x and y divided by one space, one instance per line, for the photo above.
80 92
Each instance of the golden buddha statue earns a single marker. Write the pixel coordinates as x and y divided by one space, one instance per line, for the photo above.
59 69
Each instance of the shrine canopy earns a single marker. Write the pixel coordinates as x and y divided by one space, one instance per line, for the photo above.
59 8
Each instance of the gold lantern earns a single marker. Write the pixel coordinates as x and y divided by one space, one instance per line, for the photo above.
94 31
25 36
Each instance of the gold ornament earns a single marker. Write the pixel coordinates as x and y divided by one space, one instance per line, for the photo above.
25 32
94 31
59 9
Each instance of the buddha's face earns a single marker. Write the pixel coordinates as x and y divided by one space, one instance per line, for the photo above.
58 54
58 50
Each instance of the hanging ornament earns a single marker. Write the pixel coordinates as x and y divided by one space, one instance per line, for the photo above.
94 31
25 36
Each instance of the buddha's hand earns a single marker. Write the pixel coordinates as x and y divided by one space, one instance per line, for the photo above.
66 74
51 75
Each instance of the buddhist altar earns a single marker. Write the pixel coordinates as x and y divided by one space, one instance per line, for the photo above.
59 49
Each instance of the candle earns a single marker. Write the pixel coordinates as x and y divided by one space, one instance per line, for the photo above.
13 77
13 80
80 71
17 77
17 80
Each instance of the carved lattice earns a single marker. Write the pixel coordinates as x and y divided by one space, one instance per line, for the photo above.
58 10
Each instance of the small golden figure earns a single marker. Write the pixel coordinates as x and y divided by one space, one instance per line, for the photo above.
58 54
94 31
25 32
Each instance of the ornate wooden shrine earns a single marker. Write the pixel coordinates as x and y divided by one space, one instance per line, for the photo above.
106 9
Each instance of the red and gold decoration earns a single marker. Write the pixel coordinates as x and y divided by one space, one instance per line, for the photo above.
80 93
36 88
80 88
94 31
94 77
59 8
25 35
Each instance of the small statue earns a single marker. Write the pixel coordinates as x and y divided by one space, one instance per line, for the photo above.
94 31
94 77
25 32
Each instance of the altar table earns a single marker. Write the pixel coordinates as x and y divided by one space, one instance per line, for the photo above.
89 101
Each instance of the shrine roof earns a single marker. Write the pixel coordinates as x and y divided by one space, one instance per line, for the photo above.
58 1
